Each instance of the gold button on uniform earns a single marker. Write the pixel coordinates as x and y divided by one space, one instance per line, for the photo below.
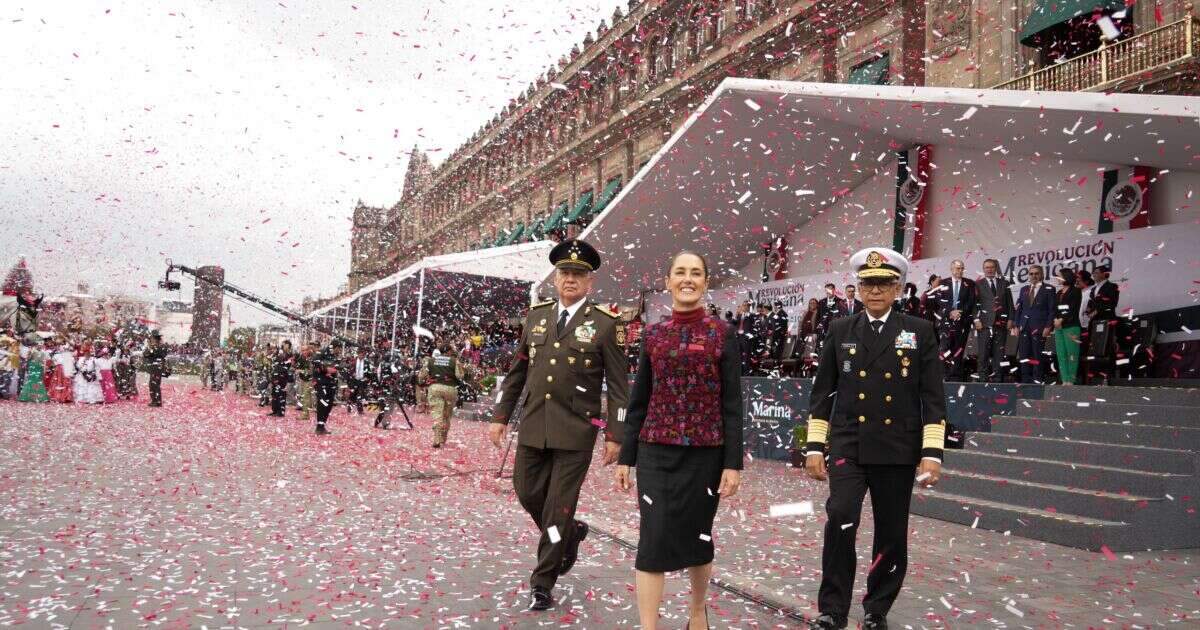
547 396
887 375
862 373
549 379
888 398
556 344
861 396
887 420
862 418
553 361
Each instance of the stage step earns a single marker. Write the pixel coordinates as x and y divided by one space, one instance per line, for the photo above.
1038 524
1089 466
1125 395
1050 498
1094 453
1170 437
1162 415
1070 475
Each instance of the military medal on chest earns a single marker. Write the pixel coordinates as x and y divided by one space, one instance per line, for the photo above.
586 332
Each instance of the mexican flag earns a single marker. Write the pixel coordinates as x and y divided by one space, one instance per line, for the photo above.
1125 200
912 180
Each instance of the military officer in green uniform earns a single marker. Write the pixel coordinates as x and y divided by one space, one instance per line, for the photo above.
570 350
878 408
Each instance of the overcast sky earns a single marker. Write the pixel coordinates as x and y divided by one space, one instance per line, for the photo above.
240 132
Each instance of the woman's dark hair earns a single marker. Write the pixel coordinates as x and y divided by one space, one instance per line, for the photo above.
1068 276
688 252
910 289
932 277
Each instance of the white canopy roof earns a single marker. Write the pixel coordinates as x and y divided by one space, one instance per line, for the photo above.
759 158
529 262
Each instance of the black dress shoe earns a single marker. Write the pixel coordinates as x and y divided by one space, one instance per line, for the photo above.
827 622
572 552
541 600
874 621
322 431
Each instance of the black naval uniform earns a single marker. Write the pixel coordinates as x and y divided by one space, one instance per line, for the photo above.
879 406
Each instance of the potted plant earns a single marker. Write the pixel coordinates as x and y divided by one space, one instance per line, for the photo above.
799 440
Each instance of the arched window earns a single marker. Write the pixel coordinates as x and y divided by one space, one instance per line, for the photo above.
662 60
750 10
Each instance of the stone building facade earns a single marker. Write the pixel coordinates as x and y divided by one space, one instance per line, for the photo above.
608 105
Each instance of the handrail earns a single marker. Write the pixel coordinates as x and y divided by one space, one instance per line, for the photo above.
1160 47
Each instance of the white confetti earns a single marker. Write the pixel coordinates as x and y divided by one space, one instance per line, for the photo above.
552 532
791 509
752 105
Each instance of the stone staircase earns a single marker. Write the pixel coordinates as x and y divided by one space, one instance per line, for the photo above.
1087 467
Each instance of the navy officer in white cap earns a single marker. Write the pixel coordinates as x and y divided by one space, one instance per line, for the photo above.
877 421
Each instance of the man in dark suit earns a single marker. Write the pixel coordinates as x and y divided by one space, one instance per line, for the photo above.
879 409
746 322
1101 334
1034 322
828 310
991 321
853 304
957 303
569 350
779 330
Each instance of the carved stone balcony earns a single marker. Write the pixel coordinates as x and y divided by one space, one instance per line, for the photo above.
1138 60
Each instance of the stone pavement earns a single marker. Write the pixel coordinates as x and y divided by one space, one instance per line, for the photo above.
205 513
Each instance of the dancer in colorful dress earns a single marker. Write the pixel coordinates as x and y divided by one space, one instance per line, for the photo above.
34 389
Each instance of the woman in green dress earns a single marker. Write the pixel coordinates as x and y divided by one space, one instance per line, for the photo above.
34 389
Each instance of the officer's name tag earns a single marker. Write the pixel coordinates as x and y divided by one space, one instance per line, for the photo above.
849 346
906 340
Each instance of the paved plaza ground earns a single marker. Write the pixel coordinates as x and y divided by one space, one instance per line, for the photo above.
206 513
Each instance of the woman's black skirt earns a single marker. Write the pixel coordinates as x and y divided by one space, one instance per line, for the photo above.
677 497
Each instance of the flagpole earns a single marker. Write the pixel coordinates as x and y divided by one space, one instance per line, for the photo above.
420 303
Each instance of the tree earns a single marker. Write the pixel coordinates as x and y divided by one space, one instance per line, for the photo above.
241 339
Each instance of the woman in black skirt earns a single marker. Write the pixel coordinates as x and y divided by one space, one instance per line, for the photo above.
684 434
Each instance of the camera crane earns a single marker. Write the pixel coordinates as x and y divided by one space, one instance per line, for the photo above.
172 285
244 295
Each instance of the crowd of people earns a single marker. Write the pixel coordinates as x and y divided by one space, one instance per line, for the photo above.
320 375
1064 333
61 370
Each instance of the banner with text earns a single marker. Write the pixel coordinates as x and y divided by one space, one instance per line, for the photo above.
1157 268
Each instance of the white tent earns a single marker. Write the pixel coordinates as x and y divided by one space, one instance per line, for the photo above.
524 262
763 158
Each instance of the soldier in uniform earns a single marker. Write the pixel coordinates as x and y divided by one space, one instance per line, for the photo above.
325 385
443 373
154 358
879 410
569 349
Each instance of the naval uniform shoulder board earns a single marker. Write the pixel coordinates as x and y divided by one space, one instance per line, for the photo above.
541 304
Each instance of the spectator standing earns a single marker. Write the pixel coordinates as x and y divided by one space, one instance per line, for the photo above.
958 302
993 313
853 304
1066 326
1033 321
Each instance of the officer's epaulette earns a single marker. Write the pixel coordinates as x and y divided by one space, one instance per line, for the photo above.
541 304
608 310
